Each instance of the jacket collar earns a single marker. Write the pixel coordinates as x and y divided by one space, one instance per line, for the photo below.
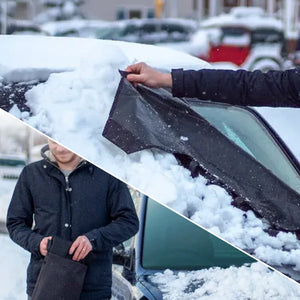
50 159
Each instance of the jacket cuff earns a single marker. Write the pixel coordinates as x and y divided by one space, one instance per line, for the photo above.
177 82
92 240
35 245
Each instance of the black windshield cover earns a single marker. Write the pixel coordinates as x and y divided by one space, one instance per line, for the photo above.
145 118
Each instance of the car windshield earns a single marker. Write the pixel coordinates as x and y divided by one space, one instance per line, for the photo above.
246 131
172 242
266 36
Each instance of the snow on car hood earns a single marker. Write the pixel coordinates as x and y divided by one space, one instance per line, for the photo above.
231 283
24 58
72 107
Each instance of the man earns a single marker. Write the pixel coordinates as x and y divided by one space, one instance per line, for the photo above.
275 88
70 198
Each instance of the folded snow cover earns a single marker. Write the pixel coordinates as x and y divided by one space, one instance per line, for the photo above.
144 118
60 277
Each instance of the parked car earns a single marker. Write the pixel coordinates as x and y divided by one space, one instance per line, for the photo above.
246 37
23 27
75 28
146 31
150 31
11 166
166 240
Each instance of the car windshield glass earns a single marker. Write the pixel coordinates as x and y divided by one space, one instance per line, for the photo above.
246 131
171 241
266 36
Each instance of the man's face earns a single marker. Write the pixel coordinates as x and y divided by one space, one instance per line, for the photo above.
61 154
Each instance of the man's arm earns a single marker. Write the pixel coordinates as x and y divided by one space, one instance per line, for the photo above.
275 88
20 217
125 223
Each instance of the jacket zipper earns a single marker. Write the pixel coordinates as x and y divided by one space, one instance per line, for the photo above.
68 189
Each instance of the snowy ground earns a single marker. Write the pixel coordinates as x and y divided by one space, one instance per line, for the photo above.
255 282
73 105
13 262
6 188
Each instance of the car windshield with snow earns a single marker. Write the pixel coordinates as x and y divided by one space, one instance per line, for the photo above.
166 241
232 146
172 258
245 182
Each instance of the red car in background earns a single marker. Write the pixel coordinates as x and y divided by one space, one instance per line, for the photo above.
244 37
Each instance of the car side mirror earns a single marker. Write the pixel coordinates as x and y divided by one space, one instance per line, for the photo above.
120 255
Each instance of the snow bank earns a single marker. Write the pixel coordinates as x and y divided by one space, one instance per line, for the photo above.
254 282
72 107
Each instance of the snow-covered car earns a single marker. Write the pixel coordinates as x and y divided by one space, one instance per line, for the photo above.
65 88
246 37
146 31
75 28
23 27
150 31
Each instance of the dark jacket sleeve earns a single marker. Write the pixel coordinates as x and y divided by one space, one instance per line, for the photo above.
125 223
20 217
274 88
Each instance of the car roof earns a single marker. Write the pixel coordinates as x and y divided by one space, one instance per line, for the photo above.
250 21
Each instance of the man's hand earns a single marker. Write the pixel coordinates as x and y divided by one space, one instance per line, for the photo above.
148 76
43 245
82 246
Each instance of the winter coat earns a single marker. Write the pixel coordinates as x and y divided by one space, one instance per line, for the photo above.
274 88
88 202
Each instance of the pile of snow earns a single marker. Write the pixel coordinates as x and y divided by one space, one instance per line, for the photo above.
254 282
73 105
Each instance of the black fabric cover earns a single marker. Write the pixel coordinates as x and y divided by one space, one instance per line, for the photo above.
145 118
60 277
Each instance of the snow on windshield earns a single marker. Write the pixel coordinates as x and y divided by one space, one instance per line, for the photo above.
254 282
72 107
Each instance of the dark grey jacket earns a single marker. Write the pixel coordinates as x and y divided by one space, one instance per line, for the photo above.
274 88
89 201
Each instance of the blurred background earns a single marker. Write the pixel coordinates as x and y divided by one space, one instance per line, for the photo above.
248 34
19 145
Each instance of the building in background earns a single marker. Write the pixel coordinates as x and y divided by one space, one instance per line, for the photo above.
48 10
117 9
